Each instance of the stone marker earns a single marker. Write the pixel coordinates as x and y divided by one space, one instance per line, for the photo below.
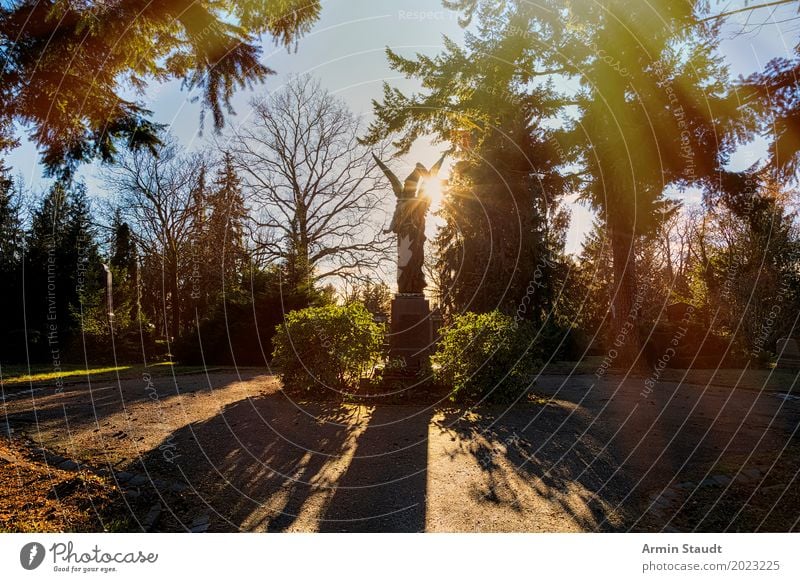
411 331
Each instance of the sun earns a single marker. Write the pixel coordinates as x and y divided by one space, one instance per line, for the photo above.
434 189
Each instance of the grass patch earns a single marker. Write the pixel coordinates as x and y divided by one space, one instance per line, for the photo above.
16 375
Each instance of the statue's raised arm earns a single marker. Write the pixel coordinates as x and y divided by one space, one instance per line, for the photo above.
397 186
434 171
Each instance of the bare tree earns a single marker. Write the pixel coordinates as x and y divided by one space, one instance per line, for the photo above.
161 196
316 199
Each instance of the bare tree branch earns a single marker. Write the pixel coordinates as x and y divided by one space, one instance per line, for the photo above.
316 199
744 9
158 196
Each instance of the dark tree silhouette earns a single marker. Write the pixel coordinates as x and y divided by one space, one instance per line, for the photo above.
65 64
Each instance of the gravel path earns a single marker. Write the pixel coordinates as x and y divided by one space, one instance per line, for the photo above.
589 456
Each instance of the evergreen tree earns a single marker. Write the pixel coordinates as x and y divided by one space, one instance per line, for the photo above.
650 110
11 252
65 63
123 249
10 224
748 286
124 263
62 267
225 230
504 231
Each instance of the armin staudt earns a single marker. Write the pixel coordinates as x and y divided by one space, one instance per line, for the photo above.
684 549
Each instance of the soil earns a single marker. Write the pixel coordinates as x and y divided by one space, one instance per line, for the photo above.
37 498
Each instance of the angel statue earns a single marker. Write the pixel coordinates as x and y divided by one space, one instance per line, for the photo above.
409 223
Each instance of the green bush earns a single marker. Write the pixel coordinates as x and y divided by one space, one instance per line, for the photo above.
329 347
486 356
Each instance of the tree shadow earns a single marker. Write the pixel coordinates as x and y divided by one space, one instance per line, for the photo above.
270 464
384 488
590 458
540 466
674 439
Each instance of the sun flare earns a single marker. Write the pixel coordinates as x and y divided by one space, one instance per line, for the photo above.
434 189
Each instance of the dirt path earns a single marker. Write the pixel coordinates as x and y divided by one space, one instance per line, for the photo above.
592 456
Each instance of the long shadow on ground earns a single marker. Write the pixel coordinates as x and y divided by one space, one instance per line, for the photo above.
384 488
269 464
85 405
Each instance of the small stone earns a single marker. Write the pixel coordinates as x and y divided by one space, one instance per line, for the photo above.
200 520
722 480
54 460
160 484
138 480
752 473
661 502
669 494
203 527
123 476
152 516
178 487
708 482
686 485
131 494
772 489
69 466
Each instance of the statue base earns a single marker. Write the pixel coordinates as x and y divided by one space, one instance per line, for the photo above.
411 333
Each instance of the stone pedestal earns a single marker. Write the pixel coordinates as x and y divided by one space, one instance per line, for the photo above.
410 330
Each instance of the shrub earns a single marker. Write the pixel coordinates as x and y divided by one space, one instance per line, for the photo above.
238 328
331 347
486 355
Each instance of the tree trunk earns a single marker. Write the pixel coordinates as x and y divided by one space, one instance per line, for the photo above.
175 303
626 299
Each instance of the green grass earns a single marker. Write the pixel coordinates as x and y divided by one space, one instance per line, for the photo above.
12 375
39 373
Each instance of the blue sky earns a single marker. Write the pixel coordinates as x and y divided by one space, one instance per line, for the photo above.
345 50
